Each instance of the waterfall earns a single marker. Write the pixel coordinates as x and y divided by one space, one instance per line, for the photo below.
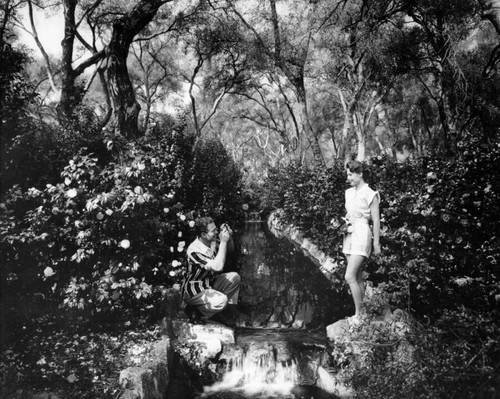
326 381
257 372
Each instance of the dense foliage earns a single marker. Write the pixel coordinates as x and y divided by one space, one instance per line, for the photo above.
96 221
72 357
112 237
440 251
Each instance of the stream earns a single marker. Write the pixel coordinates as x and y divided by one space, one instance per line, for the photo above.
280 349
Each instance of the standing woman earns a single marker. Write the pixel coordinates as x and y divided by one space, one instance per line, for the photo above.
362 204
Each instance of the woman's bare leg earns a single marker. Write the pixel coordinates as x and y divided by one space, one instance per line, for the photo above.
354 277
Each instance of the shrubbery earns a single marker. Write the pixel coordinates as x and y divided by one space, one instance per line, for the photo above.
440 224
111 237
441 247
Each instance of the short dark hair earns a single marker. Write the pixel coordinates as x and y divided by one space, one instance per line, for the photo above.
360 168
201 224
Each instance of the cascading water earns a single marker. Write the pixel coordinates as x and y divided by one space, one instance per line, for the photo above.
275 364
257 373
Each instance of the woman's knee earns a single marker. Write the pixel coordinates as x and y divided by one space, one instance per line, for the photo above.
350 278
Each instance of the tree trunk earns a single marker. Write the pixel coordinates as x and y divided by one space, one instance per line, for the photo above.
359 128
69 96
308 138
124 120
346 128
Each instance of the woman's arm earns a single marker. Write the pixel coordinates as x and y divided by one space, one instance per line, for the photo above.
375 212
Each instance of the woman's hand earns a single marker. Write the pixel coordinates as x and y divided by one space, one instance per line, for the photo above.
376 249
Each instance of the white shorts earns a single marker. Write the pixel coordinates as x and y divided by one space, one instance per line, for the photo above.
359 242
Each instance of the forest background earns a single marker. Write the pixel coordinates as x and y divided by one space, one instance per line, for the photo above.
154 112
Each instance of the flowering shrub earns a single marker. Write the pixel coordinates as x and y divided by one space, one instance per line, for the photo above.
440 224
440 251
109 238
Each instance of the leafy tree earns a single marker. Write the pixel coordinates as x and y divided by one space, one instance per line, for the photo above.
122 28
154 74
16 95
285 39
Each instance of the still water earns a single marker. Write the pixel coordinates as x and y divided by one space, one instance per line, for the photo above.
284 287
280 349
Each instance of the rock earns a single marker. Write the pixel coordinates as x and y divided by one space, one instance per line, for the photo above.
297 236
337 330
232 352
307 372
206 340
161 353
306 244
320 256
304 315
142 383
200 332
150 381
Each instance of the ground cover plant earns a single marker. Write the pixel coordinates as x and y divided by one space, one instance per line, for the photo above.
70 356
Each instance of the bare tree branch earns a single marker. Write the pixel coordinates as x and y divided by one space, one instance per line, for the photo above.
39 44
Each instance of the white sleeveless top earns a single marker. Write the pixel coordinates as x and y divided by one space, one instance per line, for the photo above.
357 203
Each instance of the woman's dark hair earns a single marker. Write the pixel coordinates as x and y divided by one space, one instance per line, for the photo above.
360 168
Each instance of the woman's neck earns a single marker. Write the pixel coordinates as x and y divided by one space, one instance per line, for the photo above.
360 186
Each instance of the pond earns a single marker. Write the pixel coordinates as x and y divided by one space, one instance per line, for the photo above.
280 349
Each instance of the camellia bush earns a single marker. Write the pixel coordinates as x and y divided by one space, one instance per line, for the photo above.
112 238
440 250
439 221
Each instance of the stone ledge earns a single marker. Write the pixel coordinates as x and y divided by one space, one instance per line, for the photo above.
327 265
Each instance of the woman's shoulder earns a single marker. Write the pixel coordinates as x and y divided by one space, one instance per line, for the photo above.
370 193
370 190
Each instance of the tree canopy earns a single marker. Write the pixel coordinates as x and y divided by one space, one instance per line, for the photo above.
319 80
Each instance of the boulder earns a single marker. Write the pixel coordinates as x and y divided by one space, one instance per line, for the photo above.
200 332
141 383
337 330
205 340
150 381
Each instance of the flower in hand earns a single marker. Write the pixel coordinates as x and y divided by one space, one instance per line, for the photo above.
343 225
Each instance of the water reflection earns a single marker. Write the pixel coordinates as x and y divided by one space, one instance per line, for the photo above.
284 287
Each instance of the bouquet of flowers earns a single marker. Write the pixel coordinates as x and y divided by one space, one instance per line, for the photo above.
342 224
